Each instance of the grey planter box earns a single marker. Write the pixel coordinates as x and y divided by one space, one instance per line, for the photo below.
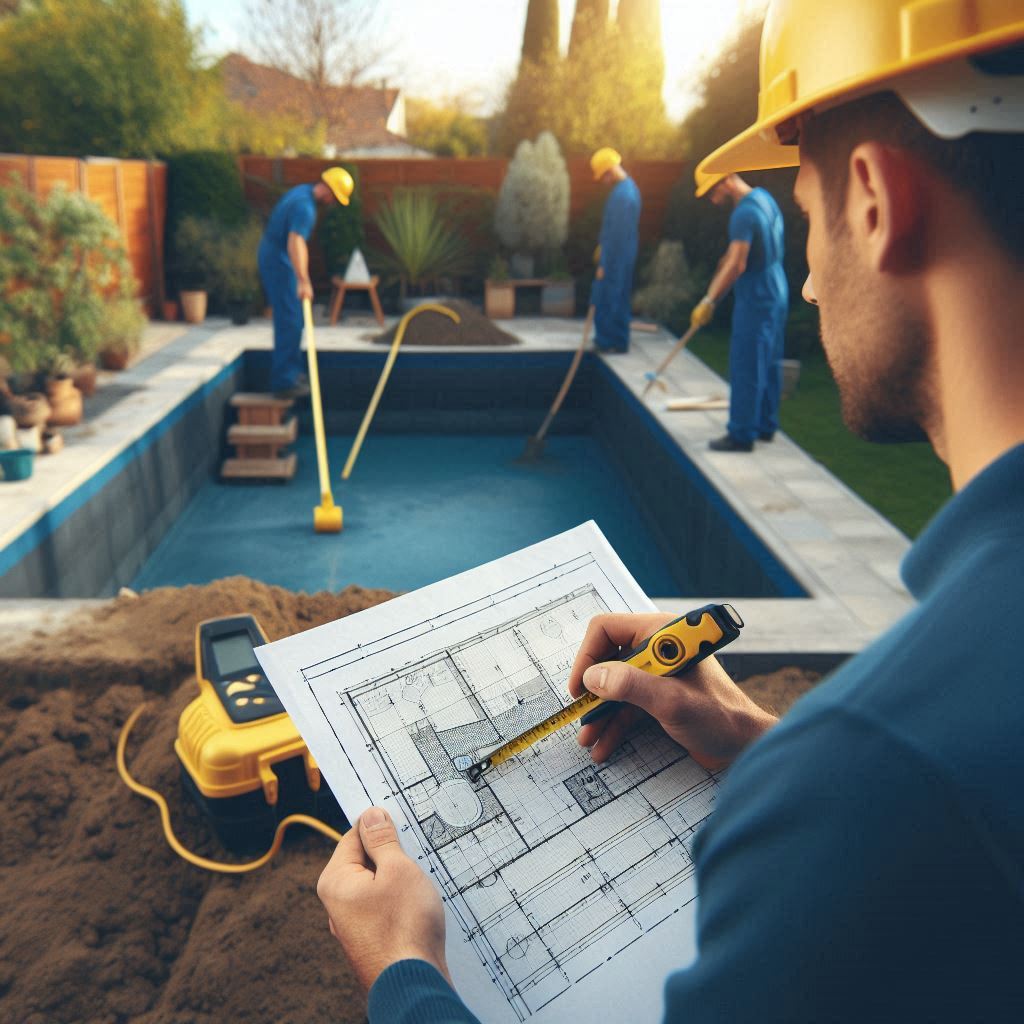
558 298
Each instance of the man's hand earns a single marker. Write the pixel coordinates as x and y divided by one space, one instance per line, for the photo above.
599 273
702 313
381 907
305 289
703 709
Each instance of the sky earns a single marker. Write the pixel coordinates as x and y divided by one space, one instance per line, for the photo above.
470 48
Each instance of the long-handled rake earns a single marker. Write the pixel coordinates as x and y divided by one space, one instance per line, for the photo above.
653 378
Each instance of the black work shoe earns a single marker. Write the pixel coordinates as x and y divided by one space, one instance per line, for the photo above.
728 443
766 436
300 389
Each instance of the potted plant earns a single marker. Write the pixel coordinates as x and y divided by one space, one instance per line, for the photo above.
123 334
558 293
192 243
499 292
233 270
532 212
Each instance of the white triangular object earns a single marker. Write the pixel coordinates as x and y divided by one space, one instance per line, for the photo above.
357 272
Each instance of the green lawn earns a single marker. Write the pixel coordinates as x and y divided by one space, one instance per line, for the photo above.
905 482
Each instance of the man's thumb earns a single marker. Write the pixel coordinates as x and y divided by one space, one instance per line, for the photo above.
612 680
379 835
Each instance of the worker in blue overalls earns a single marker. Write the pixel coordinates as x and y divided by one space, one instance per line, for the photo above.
753 262
284 268
611 295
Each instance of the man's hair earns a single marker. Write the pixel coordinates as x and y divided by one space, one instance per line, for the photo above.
986 167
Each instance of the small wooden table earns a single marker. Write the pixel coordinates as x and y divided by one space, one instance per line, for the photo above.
341 286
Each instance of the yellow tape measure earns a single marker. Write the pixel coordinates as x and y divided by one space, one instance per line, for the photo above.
671 650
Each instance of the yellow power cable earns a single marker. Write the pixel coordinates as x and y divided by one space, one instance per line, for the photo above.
172 839
426 307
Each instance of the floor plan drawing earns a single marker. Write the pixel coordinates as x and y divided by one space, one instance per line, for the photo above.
552 868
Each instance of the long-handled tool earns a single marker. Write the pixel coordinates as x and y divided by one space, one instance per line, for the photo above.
385 373
671 650
326 515
652 378
535 444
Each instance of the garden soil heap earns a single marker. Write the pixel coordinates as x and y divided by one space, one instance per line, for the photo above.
431 328
99 920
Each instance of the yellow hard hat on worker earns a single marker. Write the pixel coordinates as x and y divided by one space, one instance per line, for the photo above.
816 55
340 182
603 161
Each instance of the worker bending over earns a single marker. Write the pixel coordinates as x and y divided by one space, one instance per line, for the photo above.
612 292
284 268
753 263
865 860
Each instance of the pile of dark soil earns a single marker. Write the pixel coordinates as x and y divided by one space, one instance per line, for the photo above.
430 328
100 922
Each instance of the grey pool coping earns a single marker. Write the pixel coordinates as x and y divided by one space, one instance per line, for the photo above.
842 551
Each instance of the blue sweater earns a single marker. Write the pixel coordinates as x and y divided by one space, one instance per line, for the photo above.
866 859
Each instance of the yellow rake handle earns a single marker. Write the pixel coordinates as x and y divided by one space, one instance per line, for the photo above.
676 349
318 411
385 373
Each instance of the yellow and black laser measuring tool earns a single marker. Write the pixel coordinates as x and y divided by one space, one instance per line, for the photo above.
242 757
674 648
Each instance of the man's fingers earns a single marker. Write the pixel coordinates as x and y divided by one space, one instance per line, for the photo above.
348 853
605 635
614 680
379 836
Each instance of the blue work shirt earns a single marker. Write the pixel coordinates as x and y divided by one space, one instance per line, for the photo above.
295 211
757 221
619 238
866 858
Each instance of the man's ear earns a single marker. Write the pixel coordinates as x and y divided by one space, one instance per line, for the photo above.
884 206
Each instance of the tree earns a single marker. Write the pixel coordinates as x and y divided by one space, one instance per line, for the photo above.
112 77
325 43
589 22
445 129
640 26
540 36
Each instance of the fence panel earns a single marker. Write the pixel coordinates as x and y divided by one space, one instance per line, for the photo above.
132 193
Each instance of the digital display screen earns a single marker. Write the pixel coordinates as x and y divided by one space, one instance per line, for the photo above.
234 655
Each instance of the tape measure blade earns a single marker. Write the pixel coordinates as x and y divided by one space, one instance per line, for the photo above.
564 716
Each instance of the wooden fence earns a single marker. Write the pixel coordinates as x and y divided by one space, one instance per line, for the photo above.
264 178
132 193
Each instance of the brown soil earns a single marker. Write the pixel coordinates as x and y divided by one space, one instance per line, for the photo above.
431 328
99 920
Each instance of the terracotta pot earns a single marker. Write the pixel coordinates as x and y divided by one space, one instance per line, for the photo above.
193 306
114 358
170 310
499 300
85 379
558 298
29 410
65 402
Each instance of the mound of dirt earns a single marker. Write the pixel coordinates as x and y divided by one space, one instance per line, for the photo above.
100 922
430 328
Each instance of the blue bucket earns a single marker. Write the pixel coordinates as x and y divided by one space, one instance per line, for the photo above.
16 464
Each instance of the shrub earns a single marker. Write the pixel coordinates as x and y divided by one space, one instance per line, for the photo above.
123 327
668 283
62 264
233 272
422 247
532 214
194 242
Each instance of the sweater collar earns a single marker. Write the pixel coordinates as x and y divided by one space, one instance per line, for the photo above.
991 504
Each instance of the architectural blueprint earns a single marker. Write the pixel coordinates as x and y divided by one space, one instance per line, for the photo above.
568 886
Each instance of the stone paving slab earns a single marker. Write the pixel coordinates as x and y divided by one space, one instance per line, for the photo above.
843 552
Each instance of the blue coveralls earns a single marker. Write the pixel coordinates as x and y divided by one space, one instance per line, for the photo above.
612 295
295 211
758 318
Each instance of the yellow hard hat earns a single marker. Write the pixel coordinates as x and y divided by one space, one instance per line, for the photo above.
604 160
340 182
815 55
708 183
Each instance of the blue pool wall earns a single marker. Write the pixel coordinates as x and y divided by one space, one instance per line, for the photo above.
97 539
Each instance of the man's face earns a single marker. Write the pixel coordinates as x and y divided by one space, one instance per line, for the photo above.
719 195
876 347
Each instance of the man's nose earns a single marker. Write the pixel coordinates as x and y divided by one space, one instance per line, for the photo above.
808 292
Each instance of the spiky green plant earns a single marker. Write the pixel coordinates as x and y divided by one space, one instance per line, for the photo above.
423 247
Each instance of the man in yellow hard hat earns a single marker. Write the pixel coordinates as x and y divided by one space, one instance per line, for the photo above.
284 268
612 291
865 859
752 267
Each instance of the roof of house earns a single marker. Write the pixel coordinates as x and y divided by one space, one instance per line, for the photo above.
357 115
